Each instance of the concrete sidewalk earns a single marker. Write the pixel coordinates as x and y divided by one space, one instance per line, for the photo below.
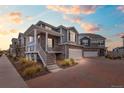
9 77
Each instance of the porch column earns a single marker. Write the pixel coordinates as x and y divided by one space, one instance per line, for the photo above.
67 35
61 36
26 45
46 35
35 39
35 57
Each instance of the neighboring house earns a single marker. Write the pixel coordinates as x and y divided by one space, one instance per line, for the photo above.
119 51
94 44
10 49
47 43
21 45
123 40
13 47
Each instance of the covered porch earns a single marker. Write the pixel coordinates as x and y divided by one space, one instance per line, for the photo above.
48 40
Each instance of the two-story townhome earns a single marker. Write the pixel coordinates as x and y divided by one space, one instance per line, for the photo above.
94 44
47 43
119 51
13 47
21 45
10 49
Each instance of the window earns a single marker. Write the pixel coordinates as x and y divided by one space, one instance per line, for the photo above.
85 42
31 48
72 36
101 42
50 42
31 39
48 28
28 48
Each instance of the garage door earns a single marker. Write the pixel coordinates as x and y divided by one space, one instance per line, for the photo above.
90 53
75 53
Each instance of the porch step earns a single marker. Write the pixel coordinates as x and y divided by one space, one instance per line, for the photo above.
51 58
53 68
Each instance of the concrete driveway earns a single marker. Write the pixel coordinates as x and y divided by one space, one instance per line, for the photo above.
96 72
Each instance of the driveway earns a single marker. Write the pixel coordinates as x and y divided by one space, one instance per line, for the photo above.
95 72
9 77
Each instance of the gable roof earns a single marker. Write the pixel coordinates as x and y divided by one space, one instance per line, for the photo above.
42 22
93 36
30 30
20 34
68 28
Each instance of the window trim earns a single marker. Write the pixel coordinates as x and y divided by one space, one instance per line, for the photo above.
50 43
72 36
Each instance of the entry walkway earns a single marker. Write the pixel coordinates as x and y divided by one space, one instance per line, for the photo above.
9 77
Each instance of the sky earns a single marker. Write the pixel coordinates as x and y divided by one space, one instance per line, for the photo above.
107 21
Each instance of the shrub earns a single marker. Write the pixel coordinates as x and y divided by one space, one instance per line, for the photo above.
72 60
15 58
30 71
68 62
23 60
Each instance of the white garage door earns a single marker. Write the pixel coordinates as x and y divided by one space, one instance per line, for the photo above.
75 53
90 53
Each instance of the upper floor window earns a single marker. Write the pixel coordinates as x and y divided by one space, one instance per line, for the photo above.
101 42
85 42
30 39
48 28
50 42
72 36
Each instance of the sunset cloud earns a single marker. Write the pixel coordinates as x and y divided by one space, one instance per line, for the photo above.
15 14
15 17
89 9
73 19
29 17
12 18
87 27
121 8
115 43
120 34
8 31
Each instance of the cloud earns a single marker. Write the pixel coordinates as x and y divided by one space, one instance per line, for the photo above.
73 19
88 9
15 17
114 44
120 34
121 8
29 17
8 31
87 27
8 20
15 14
11 18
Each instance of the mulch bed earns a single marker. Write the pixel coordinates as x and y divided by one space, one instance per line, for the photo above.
17 65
